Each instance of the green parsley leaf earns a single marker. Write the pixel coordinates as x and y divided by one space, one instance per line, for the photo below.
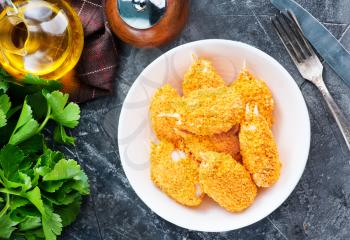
38 104
30 222
66 115
6 226
69 212
45 163
6 132
3 120
18 180
26 180
13 111
17 202
64 169
7 183
3 86
52 223
26 126
49 158
62 198
51 186
20 214
33 145
81 184
25 132
4 78
34 196
5 103
10 159
35 234
5 106
47 84
60 136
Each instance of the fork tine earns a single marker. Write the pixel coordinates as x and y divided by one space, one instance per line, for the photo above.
304 43
288 27
295 25
295 35
285 40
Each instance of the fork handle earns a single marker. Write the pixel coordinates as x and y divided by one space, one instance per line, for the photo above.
338 115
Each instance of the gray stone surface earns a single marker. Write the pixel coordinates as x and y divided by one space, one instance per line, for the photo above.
319 207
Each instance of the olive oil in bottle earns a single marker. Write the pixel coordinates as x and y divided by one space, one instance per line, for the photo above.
44 38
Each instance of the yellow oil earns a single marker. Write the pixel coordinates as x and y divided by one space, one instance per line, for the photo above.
45 39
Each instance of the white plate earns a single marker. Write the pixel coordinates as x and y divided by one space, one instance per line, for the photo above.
291 131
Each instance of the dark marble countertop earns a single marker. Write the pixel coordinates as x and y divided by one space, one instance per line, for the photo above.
318 208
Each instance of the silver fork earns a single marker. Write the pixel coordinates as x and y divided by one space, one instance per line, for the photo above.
308 64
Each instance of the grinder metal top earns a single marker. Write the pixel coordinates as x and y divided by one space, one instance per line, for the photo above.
141 14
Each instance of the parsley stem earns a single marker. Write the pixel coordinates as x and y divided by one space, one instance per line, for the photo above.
13 111
8 191
47 118
3 211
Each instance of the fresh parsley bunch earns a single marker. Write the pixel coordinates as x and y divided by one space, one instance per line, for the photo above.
40 190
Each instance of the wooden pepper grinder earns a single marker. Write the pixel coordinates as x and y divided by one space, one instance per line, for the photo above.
147 23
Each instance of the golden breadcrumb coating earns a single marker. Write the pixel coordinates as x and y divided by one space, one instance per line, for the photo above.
215 140
176 174
255 92
226 181
201 74
163 113
226 142
210 111
259 150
